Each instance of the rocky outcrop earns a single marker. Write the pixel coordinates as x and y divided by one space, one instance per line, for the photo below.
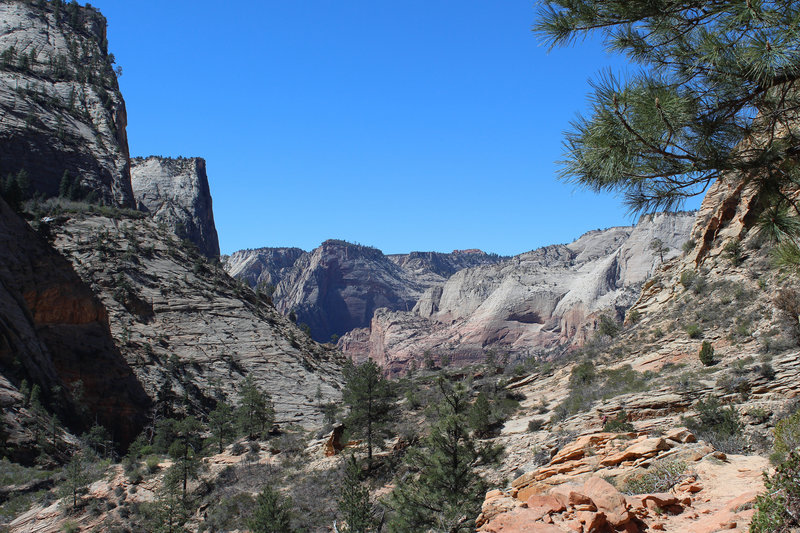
60 102
54 333
528 303
175 192
188 329
338 286
261 267
436 267
699 489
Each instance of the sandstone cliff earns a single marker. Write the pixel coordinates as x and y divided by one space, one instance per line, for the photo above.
338 286
60 102
189 330
528 303
175 192
55 333
262 266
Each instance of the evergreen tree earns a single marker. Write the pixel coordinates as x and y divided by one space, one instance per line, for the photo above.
714 98
255 414
441 490
659 247
220 421
480 415
370 398
354 505
65 185
272 514
184 450
77 476
168 512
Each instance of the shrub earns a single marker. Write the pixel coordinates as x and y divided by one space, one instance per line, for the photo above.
694 331
608 326
778 507
718 425
733 251
70 527
766 371
152 463
706 354
660 477
787 438
688 246
619 424
535 424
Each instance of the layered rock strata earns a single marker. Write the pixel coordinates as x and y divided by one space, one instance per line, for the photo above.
524 305
175 192
61 107
189 330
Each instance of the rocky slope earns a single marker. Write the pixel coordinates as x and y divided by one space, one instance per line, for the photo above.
185 327
527 304
62 110
175 192
54 333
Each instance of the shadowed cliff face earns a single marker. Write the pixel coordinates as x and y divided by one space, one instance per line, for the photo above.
60 101
54 332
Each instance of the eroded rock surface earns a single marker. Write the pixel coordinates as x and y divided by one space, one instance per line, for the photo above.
528 303
186 327
60 101
175 192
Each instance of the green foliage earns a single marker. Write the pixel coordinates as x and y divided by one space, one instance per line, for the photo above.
618 424
659 247
78 473
608 326
221 424
706 354
480 415
370 397
688 246
440 489
661 476
674 124
787 438
272 513
718 425
733 251
778 507
354 505
694 331
255 414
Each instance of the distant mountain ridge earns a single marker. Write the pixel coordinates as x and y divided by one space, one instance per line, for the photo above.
338 286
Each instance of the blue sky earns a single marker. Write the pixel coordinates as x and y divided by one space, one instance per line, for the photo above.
414 125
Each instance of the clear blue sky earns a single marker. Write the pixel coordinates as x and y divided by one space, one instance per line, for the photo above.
414 125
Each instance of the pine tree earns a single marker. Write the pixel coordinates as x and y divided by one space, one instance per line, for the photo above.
441 490
370 398
184 450
480 415
220 421
77 476
272 514
355 508
65 185
255 414
713 98
659 247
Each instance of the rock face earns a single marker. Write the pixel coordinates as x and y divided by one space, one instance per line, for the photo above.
338 286
262 266
175 192
55 333
62 110
530 302
186 328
